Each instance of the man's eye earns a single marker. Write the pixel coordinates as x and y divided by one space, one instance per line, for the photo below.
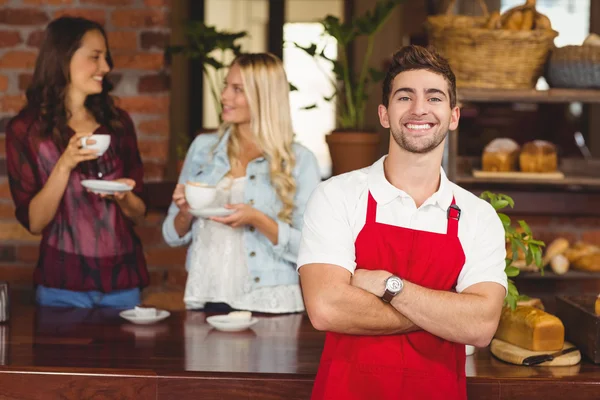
435 99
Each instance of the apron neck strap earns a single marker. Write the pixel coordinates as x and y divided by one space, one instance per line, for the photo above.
453 215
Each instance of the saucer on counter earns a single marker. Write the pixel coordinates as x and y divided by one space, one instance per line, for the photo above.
211 212
99 186
144 316
232 322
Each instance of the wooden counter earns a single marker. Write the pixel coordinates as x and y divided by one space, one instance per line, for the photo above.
49 353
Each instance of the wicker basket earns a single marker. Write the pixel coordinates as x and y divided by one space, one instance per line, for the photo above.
574 67
490 58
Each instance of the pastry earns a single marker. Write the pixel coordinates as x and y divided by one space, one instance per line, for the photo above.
240 315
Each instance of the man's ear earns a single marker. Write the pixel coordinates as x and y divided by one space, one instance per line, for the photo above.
454 117
384 118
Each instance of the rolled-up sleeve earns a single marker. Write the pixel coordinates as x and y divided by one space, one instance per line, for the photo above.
134 168
20 168
485 258
307 177
168 229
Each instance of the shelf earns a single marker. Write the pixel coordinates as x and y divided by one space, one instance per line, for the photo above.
549 275
567 184
581 176
528 95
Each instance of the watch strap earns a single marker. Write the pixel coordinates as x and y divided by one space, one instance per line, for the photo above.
387 296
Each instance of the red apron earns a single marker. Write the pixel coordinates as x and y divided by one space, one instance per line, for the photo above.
413 366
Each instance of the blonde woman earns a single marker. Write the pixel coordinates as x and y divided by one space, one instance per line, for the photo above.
246 260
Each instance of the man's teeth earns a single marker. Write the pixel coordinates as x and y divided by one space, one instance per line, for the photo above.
97 78
418 127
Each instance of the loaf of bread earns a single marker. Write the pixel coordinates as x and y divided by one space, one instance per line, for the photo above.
531 328
500 155
538 156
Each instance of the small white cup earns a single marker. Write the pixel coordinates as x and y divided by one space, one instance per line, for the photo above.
101 145
199 195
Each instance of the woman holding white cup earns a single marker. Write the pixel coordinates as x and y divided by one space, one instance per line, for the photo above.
244 233
69 132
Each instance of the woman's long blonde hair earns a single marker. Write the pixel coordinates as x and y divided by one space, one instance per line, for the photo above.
267 90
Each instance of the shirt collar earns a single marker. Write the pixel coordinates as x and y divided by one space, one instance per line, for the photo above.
384 192
221 149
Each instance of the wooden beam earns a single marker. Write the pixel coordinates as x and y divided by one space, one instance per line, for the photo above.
275 27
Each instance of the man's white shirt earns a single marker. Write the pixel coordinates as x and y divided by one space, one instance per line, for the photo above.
337 209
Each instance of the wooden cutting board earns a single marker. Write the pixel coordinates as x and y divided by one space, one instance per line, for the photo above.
515 355
519 175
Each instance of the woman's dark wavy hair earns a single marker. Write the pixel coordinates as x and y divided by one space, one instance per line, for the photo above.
47 91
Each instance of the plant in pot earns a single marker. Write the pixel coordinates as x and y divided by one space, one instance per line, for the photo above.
350 146
214 50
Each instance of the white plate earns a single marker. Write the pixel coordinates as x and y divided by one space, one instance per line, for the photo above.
227 324
131 316
105 187
211 212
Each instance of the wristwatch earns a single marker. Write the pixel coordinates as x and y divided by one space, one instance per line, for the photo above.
393 286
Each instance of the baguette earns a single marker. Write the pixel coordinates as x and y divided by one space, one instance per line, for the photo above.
531 328
527 23
557 247
514 22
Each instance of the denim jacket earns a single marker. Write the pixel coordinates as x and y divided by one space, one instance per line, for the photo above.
268 264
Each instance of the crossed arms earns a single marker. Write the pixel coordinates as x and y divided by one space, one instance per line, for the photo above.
338 301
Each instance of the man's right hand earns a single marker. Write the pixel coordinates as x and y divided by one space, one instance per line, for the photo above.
373 281
75 153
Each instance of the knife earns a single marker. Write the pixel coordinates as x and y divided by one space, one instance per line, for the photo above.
534 360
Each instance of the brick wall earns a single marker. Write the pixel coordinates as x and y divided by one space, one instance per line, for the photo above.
138 31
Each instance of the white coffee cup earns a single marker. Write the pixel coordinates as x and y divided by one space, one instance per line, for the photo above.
199 195
101 145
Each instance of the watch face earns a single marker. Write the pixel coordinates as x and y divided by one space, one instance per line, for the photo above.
393 284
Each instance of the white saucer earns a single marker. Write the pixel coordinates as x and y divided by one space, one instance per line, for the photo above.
105 187
211 212
227 324
131 316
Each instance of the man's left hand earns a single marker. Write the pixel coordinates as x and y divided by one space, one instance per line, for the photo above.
373 281
244 215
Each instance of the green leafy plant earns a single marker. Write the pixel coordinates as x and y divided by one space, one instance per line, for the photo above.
214 49
518 239
352 86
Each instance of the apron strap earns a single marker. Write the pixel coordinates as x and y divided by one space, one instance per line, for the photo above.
453 215
371 209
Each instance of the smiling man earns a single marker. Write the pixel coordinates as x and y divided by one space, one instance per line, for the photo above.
399 265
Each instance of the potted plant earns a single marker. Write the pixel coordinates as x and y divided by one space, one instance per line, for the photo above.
519 239
350 146
214 49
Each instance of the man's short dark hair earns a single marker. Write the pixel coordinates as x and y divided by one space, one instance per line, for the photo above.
414 57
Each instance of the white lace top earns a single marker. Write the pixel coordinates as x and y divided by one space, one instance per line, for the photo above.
218 272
